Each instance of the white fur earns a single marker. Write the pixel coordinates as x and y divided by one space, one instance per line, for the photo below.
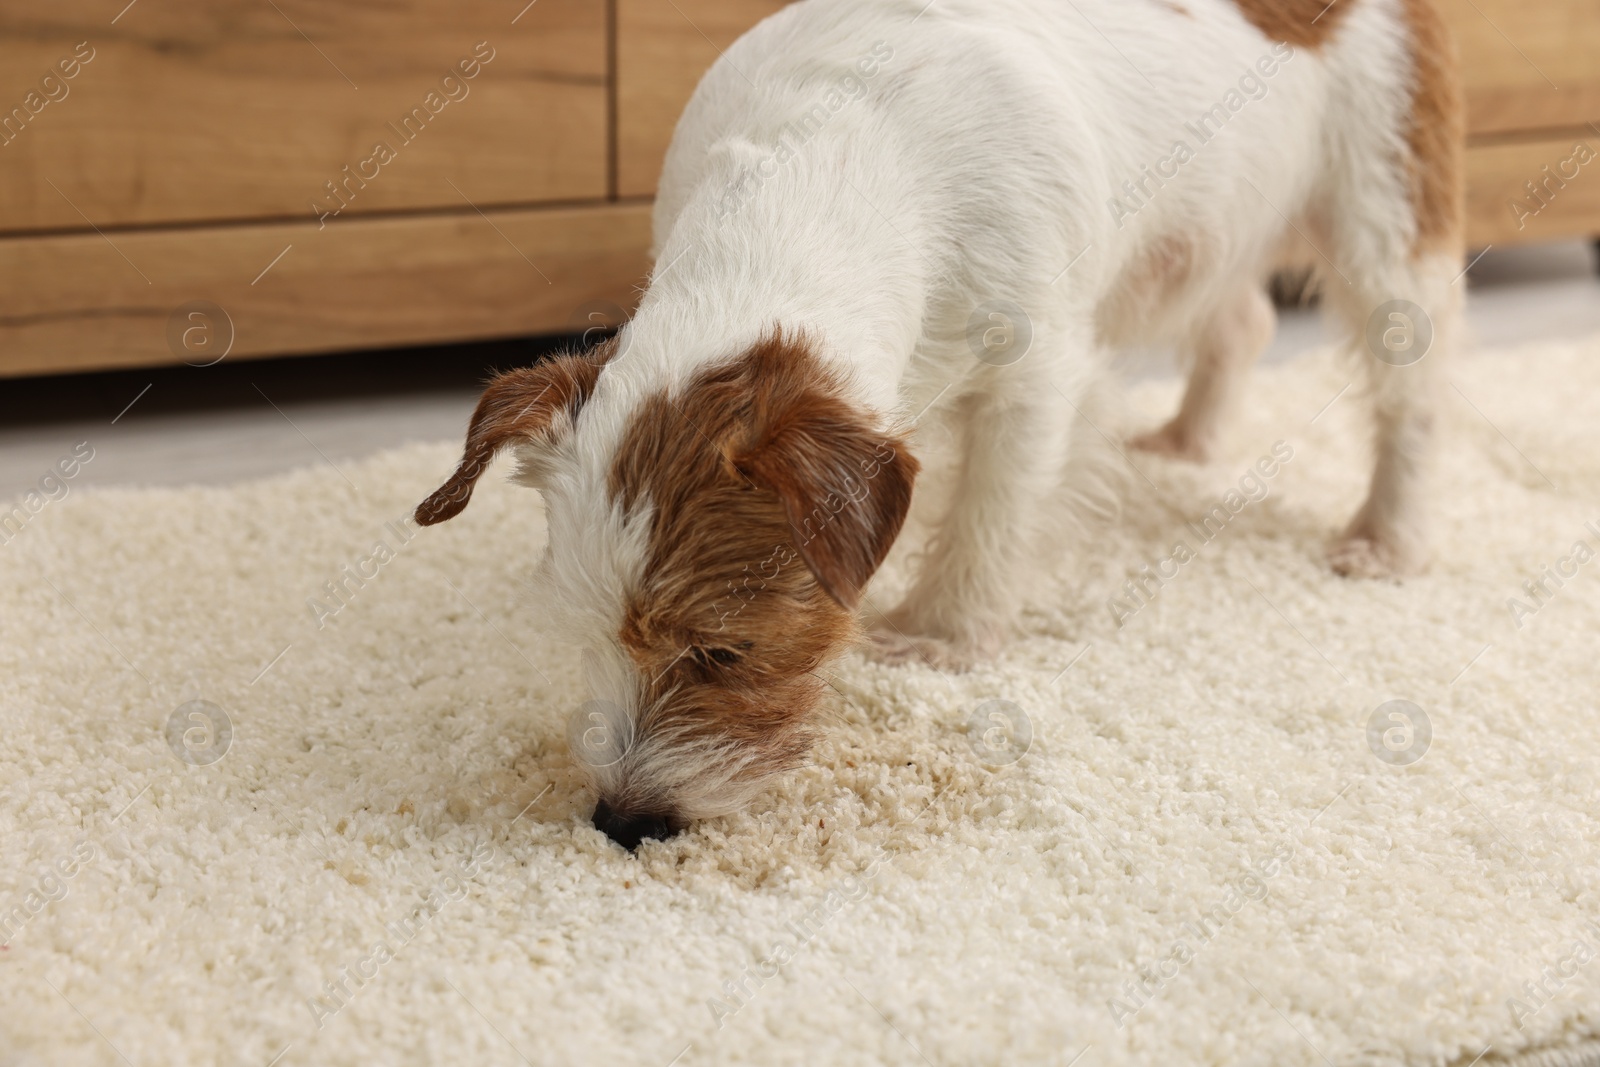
981 159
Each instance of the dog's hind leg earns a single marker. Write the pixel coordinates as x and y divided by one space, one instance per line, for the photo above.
1392 214
1405 317
1221 351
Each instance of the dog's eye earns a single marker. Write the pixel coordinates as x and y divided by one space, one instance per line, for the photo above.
709 656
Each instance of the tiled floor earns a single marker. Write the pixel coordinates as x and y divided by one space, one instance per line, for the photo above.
244 420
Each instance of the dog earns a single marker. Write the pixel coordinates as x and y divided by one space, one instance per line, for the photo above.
864 206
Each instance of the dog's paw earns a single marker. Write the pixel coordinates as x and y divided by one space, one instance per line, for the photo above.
1174 443
1360 554
888 644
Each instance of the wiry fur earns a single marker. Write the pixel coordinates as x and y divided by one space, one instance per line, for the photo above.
751 574
867 176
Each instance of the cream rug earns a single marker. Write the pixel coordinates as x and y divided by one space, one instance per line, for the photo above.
1200 858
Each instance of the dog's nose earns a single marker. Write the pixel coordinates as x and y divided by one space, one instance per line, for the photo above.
629 830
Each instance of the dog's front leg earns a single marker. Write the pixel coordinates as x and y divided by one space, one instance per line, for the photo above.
1015 432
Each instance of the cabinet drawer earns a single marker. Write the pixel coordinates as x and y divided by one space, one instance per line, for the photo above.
1565 200
1528 65
194 111
73 303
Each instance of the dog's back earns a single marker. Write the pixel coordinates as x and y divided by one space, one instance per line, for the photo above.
1173 144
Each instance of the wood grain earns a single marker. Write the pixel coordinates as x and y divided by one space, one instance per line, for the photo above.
1528 65
194 111
662 51
1497 177
78 302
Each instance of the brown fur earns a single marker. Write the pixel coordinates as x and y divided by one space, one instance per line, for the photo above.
1302 23
1436 136
774 501
518 407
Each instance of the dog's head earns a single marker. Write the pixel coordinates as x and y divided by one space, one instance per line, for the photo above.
708 544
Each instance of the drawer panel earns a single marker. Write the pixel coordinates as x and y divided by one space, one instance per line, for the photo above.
1528 65
80 302
193 111
1565 201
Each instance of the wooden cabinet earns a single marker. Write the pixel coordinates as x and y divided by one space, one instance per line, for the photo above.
390 172
1533 97
1529 65
195 111
330 175
1501 209
77 300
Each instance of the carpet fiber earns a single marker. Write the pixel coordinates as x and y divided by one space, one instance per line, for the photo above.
1223 844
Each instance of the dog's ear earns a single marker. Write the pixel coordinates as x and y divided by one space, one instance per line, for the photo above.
519 407
845 488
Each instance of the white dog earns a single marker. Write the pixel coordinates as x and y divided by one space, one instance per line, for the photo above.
874 207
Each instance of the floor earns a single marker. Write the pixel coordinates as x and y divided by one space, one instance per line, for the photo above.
215 425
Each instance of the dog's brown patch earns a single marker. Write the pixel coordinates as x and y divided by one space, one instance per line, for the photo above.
773 501
1436 135
518 407
1301 23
